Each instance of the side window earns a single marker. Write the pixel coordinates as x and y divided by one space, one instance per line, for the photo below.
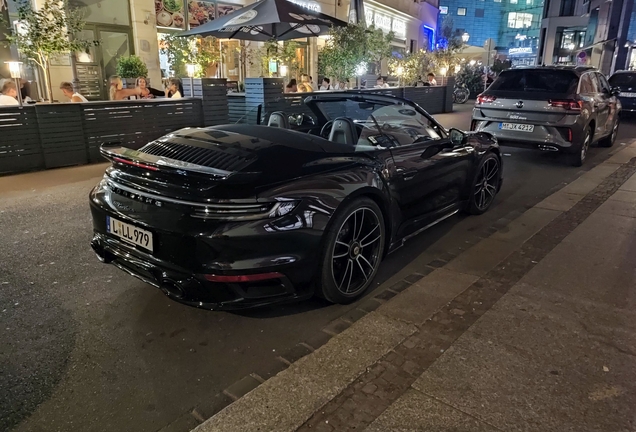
586 86
605 87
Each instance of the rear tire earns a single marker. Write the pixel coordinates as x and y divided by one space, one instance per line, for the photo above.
352 251
609 140
485 185
578 157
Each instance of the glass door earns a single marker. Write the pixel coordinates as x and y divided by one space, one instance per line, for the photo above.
114 43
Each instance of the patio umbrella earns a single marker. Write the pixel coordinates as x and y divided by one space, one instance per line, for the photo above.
266 20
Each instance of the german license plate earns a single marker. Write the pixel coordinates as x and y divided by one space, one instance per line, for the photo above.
516 127
627 94
129 233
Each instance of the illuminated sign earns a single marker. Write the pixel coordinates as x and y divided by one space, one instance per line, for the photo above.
311 5
520 50
385 22
443 10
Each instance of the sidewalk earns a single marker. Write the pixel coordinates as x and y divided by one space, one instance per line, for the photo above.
533 328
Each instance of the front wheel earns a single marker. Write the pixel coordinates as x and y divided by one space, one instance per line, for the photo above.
580 154
609 140
462 96
352 251
485 185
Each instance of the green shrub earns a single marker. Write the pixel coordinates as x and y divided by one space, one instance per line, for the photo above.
131 67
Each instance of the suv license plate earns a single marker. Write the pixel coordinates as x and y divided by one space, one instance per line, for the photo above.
516 127
129 233
627 94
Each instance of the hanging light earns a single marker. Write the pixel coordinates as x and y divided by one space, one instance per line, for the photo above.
465 37
283 70
190 68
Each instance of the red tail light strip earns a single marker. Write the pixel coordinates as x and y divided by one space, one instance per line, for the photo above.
567 104
135 164
244 278
481 99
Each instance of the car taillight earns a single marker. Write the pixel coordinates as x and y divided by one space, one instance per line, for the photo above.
567 104
481 99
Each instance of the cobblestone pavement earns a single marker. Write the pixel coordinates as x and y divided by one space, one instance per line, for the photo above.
382 384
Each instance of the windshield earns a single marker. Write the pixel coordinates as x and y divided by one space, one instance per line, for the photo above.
623 80
535 81
381 124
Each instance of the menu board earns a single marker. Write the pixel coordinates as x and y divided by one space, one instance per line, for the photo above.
200 12
170 13
226 8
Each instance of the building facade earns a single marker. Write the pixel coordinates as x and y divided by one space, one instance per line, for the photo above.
513 25
596 33
126 27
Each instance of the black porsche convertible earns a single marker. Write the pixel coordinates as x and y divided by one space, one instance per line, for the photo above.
247 215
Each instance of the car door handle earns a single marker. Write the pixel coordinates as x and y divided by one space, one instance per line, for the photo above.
407 174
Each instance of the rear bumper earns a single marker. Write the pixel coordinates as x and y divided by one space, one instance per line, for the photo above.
543 137
183 259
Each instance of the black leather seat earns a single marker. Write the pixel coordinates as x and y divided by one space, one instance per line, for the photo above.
343 131
278 119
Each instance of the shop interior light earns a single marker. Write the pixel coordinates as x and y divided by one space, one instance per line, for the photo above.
190 69
14 68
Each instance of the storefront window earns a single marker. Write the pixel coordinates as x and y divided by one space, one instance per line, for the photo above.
104 11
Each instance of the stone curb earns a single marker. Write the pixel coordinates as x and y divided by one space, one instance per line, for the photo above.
288 400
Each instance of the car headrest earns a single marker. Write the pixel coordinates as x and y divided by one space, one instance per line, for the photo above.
278 119
343 131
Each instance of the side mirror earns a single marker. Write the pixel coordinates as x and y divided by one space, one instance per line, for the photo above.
457 137
615 91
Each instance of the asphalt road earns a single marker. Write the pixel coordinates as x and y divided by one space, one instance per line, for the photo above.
88 348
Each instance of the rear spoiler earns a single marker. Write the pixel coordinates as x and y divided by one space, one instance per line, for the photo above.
115 153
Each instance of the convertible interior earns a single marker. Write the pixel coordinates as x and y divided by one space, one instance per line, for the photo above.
360 122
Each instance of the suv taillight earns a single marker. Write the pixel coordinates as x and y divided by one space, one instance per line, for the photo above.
481 99
567 104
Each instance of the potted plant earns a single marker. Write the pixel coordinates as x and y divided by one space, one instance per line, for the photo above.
129 68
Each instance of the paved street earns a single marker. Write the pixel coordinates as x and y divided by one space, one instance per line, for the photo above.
89 348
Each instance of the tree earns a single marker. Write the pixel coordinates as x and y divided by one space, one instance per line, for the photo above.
283 53
350 46
412 66
182 51
448 47
379 46
48 32
472 77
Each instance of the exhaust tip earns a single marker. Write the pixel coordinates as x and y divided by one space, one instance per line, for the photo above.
172 288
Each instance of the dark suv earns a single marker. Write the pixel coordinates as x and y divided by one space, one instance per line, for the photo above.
625 82
551 108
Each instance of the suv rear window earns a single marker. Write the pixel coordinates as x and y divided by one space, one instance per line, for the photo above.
536 81
623 80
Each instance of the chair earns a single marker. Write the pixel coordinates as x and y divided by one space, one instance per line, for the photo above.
278 119
343 131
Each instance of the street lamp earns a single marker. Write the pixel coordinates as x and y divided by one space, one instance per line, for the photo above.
190 68
14 70
472 62
457 67
443 72
465 37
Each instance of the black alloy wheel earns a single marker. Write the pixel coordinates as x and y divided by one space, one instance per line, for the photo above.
352 252
485 185
580 153
609 140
